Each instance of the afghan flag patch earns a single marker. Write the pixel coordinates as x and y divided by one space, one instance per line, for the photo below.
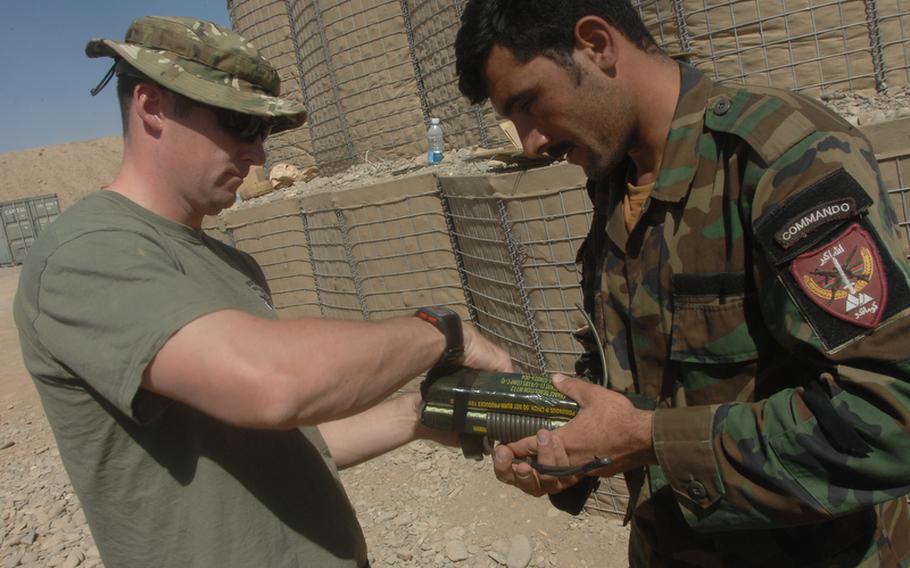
845 277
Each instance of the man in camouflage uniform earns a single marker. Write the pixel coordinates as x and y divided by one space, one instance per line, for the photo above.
186 415
746 278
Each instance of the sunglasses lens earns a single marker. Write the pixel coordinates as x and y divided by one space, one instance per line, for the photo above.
246 127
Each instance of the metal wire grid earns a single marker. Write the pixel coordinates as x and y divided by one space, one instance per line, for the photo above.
278 243
357 75
664 22
610 499
549 229
267 25
432 26
491 277
403 256
332 144
456 249
804 45
782 43
332 270
898 169
894 26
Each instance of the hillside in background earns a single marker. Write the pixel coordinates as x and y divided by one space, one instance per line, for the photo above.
70 170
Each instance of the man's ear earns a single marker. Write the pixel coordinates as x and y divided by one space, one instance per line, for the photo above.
596 38
148 107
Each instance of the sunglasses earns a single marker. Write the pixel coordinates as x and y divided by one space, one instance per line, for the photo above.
245 127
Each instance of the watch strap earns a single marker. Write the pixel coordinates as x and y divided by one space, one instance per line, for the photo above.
449 324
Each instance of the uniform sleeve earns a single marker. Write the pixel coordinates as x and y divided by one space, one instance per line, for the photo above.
107 301
832 278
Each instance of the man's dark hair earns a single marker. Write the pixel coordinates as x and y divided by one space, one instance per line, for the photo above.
530 28
127 79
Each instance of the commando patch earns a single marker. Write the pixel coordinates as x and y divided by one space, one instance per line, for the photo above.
845 277
808 217
803 224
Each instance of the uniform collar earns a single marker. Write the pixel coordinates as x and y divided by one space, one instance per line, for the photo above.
680 153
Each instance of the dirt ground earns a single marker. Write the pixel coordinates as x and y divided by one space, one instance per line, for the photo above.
420 506
13 386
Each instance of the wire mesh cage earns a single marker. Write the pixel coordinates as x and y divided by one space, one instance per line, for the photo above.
274 236
371 75
267 25
431 26
814 46
891 143
517 235
358 80
330 254
400 245
382 250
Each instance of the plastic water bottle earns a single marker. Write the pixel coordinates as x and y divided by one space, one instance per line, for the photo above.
434 137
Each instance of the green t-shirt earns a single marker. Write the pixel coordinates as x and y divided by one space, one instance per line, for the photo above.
162 484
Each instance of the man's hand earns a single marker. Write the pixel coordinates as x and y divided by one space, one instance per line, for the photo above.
483 355
548 449
607 426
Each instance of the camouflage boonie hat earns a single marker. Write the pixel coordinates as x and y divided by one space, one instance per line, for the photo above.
204 62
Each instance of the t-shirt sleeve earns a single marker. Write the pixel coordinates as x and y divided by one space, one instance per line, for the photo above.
107 302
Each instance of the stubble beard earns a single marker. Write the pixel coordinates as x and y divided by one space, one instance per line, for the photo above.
615 139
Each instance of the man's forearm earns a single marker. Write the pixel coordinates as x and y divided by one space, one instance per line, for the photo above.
280 374
380 429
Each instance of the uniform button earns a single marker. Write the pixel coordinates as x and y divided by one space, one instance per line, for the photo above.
722 106
697 491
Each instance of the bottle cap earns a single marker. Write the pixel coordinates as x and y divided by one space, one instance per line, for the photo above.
434 121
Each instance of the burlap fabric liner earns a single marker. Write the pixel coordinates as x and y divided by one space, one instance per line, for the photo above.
399 241
274 235
802 47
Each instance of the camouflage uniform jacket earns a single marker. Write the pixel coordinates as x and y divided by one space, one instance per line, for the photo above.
761 305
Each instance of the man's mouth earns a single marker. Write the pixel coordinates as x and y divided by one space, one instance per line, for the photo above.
560 151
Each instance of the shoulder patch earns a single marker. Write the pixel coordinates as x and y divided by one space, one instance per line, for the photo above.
803 224
846 285
845 277
802 220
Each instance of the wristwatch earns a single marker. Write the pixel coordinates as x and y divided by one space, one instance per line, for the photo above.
447 322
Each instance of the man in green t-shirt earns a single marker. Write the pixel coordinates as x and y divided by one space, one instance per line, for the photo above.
197 429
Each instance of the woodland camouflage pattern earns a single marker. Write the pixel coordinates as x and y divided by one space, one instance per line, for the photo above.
205 62
703 318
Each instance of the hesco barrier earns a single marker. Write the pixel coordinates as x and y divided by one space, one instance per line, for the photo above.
891 143
383 250
505 244
267 25
275 236
372 73
432 26
21 221
812 46
517 235
358 80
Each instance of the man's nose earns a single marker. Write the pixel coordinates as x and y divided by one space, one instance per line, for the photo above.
533 142
254 152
